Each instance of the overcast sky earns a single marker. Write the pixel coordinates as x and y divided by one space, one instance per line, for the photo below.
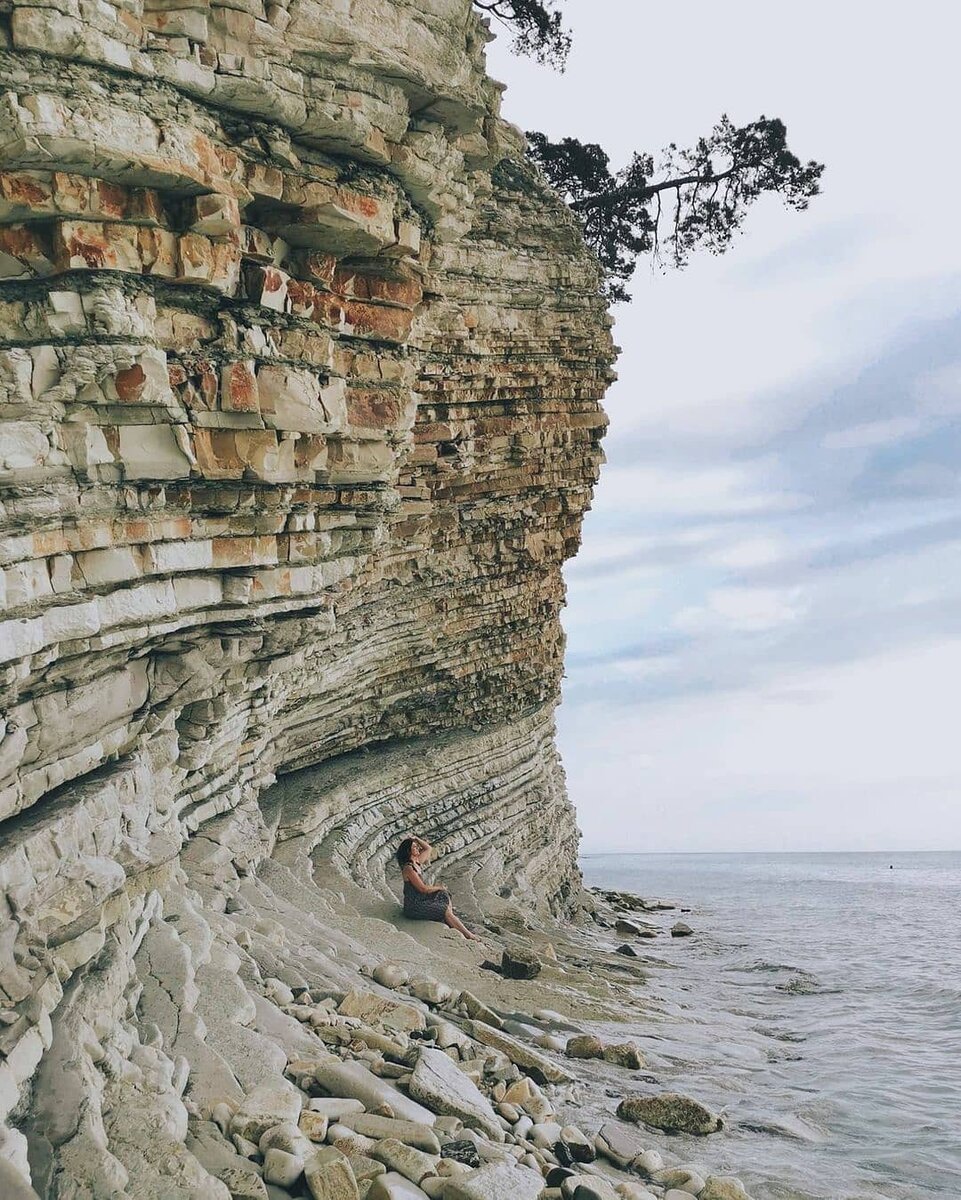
764 621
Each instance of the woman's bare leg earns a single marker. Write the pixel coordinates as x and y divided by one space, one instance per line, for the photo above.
458 924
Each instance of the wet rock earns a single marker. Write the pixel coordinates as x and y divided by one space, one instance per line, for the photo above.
627 951
618 1144
648 1162
580 1146
462 1151
669 1111
681 1179
624 1054
723 1187
530 1061
681 929
584 1045
518 963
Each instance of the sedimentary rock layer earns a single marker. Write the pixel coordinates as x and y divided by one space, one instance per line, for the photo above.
300 372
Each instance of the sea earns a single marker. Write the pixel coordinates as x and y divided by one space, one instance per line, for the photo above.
817 1006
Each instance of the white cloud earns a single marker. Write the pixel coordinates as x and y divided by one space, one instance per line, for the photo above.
748 609
872 433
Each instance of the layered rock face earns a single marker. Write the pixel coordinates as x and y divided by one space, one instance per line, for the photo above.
300 380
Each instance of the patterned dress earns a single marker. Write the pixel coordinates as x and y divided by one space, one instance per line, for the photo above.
424 906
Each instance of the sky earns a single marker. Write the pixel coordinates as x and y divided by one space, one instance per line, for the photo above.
764 619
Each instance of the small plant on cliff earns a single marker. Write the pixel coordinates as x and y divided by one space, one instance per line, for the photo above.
691 199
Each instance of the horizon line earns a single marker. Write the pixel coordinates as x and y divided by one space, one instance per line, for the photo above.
634 853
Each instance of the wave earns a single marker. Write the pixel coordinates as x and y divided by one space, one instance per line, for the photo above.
805 984
761 965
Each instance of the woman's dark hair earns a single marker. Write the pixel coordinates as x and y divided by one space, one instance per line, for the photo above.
403 851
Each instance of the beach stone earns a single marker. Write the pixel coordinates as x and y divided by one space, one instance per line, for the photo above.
723 1187
584 1045
633 1191
313 1125
355 1080
243 1184
462 1151
431 991
551 1041
267 1105
556 1175
333 1107
413 1133
676 1194
287 1137
329 1176
496 1182
592 1189
618 1144
365 1168
545 1134
282 1168
479 1011
379 1010
681 929
397 1156
444 1088
627 951
390 975
580 1146
543 1069
395 1187
624 1054
671 1112
648 1162
518 963
626 928
681 1179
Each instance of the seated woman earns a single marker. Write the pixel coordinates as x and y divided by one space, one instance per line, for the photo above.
424 901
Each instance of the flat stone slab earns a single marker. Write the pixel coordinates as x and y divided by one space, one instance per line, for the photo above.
352 1079
443 1087
542 1068
498 1182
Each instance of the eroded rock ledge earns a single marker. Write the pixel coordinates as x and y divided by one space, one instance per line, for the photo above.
300 374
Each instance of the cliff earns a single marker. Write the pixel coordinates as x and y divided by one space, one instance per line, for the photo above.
300 378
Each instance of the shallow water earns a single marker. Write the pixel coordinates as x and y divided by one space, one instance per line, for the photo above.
819 1004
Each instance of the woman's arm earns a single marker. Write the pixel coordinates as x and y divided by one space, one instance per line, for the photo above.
417 883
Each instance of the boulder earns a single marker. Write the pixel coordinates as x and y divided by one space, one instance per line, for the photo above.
444 1088
518 963
669 1111
624 1054
463 1151
618 1144
584 1045
390 975
723 1187
430 991
267 1105
379 1010
681 929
